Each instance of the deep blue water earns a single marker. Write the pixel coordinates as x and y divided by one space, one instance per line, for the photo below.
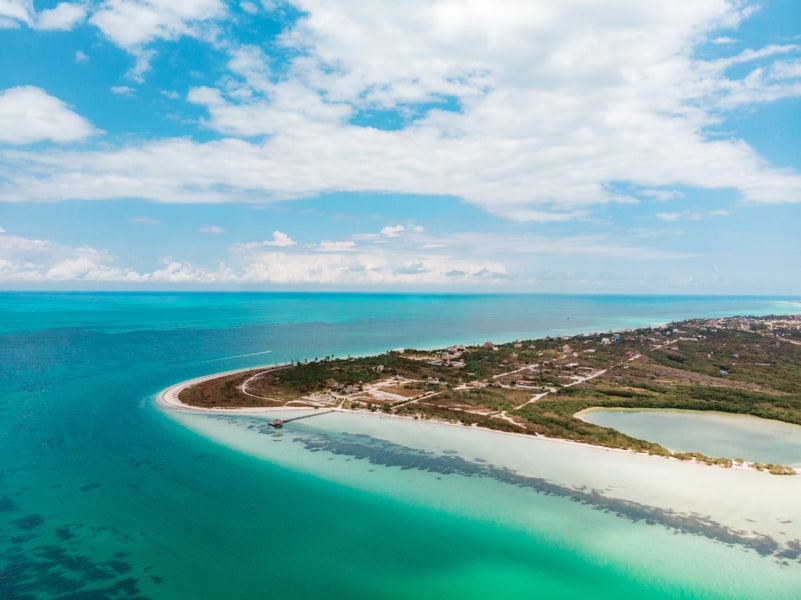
103 496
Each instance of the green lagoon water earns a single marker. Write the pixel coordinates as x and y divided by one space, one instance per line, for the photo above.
714 434
103 494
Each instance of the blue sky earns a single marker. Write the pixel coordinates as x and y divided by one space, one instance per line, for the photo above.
424 145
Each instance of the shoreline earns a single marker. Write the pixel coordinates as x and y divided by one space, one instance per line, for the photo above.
168 399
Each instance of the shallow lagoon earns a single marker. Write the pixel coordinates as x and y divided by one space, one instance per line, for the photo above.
711 433
642 519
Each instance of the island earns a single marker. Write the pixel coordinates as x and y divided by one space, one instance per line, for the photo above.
744 365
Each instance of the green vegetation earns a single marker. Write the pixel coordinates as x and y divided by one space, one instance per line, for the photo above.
744 365
490 397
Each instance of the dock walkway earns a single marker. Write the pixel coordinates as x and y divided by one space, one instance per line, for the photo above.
278 423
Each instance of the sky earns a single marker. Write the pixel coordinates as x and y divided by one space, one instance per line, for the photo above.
554 146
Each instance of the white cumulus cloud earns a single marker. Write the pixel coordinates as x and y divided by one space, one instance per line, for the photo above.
134 23
36 260
392 230
396 230
534 111
280 240
448 260
63 16
29 114
15 12
123 90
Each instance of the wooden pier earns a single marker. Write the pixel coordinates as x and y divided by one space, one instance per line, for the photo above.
279 423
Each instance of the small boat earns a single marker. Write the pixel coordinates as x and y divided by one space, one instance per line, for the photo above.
277 423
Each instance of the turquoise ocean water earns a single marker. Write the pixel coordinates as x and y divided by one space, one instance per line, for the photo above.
104 495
